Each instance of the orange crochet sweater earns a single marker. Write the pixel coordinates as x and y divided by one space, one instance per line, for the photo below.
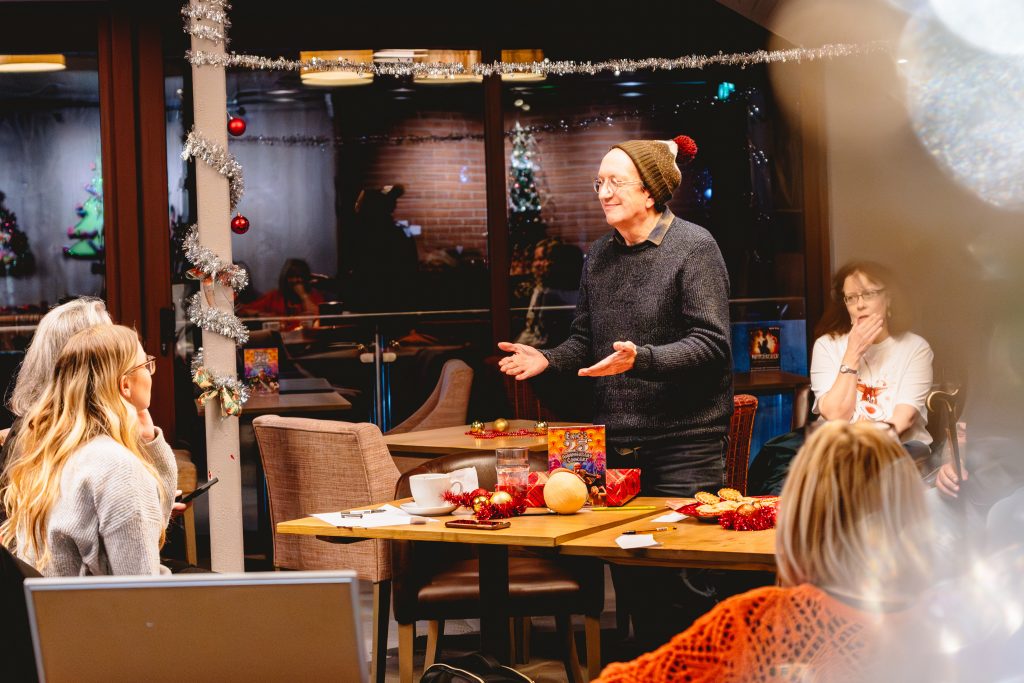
768 634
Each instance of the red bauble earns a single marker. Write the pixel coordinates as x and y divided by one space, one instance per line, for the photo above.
239 224
236 125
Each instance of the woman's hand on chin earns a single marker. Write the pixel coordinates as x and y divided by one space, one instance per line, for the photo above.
147 430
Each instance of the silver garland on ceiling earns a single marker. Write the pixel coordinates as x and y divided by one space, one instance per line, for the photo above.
546 67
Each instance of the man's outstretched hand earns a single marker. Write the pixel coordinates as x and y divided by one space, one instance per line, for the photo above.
617 363
524 363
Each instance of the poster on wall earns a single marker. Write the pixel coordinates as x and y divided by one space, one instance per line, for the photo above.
765 349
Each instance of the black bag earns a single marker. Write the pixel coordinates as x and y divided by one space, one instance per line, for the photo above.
768 472
474 668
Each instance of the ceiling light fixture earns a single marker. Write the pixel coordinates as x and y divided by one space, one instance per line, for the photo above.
335 77
31 63
519 56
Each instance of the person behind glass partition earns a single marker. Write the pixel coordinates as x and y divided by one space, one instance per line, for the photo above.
294 296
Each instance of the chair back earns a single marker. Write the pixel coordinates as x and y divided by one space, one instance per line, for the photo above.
325 466
741 430
801 407
447 404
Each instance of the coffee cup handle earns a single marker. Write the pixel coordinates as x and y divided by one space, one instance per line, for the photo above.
451 489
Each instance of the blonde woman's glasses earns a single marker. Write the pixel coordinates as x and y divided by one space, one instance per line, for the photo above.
150 366
867 295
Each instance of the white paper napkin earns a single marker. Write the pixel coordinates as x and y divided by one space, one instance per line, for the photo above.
467 476
670 517
627 541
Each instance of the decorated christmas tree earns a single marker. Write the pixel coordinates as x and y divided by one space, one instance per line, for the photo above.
15 255
88 231
525 225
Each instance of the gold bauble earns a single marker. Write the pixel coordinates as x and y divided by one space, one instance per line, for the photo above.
542 426
479 502
564 492
477 427
500 425
499 497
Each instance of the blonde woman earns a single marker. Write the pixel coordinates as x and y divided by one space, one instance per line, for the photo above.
89 486
852 548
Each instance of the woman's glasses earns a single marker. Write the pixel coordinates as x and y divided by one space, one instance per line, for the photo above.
150 365
867 295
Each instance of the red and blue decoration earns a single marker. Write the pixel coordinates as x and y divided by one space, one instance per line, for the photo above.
239 224
236 126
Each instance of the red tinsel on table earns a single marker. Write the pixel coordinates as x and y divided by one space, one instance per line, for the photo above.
491 434
485 510
761 519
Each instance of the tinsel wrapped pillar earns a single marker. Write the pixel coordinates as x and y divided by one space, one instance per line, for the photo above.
209 96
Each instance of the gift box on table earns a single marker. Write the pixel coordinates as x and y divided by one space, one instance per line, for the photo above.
535 489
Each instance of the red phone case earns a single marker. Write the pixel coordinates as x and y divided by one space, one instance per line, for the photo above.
476 524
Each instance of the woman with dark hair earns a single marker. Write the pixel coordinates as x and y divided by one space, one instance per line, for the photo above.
293 295
866 365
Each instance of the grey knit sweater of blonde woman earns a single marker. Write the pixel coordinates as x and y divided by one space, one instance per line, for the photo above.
109 517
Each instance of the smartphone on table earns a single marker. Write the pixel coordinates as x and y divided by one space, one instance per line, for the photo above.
484 525
200 490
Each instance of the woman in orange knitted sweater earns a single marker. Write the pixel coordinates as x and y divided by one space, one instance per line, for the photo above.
851 548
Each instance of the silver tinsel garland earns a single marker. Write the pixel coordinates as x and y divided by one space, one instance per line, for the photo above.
218 382
547 68
213 11
220 160
217 321
212 265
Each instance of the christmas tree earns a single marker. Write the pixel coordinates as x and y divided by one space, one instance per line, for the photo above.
15 255
89 229
525 225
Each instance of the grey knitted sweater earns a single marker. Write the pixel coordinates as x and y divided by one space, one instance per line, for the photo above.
108 517
669 296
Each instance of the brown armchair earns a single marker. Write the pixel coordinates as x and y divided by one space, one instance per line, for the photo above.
447 404
439 581
325 465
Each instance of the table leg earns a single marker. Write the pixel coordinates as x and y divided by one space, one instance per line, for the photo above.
494 601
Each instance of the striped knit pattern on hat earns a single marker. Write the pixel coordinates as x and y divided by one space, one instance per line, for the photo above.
655 161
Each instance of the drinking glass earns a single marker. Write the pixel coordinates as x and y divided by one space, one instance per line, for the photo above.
513 466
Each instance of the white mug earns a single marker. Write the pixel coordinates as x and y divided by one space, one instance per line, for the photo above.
428 489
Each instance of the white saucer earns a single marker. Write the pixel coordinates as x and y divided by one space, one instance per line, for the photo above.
414 509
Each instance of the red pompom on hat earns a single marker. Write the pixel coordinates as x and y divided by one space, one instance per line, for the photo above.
687 148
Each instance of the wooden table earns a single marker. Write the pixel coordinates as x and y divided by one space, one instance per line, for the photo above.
291 404
692 544
544 531
448 440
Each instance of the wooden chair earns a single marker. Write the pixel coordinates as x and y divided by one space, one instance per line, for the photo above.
323 465
447 404
741 430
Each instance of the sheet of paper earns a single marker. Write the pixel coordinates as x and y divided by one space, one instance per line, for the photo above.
627 541
670 517
391 516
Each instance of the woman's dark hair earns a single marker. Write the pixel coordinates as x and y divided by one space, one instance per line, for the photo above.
293 267
835 321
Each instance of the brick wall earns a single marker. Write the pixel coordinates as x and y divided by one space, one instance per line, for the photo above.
444 181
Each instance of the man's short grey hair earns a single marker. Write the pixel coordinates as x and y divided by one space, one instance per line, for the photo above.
53 332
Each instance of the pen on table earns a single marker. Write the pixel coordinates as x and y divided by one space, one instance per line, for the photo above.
648 531
626 508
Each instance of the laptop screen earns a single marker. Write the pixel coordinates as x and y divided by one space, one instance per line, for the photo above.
197 627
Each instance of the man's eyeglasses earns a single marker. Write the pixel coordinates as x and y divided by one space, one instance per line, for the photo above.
867 295
614 183
150 365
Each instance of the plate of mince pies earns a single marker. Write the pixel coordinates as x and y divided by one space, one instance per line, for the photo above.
709 506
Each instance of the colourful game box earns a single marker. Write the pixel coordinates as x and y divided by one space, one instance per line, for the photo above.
261 369
579 449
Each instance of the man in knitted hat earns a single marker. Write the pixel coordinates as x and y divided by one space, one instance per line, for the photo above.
651 327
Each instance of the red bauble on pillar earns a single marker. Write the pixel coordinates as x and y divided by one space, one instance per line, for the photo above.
239 224
236 125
